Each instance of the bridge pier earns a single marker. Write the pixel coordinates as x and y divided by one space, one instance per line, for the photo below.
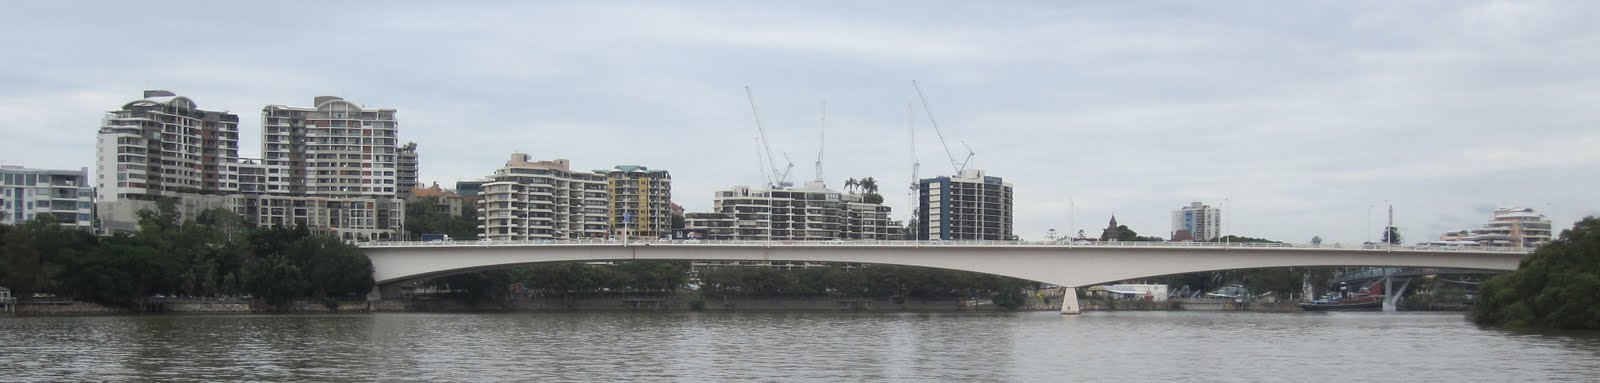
385 291
1069 302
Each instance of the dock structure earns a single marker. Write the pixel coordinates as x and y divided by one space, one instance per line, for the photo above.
8 303
646 303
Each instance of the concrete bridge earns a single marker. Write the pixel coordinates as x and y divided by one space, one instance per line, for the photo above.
1067 265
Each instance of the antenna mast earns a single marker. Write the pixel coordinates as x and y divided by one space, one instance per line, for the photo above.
778 180
959 166
822 136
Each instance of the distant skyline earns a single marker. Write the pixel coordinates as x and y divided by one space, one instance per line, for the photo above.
1291 118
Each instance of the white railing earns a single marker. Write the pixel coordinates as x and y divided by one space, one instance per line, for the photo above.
887 243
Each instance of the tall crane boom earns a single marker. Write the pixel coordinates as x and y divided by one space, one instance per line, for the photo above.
959 166
779 179
916 164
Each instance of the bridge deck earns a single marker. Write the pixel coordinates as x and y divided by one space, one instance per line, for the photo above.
947 244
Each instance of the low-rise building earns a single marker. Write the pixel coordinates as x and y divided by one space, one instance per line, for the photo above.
447 202
1508 227
810 212
27 194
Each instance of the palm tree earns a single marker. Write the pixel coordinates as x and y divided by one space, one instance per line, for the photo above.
869 184
850 183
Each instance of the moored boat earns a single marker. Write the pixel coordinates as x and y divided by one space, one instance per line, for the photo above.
1366 303
1371 299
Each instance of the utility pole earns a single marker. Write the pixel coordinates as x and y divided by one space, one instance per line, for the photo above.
1369 223
1389 231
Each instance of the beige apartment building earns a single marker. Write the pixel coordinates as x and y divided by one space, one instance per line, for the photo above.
640 201
528 199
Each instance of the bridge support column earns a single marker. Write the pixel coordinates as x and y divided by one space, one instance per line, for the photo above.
1389 295
1069 302
381 292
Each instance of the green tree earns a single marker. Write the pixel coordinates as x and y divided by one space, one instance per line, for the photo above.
423 217
874 198
24 267
1392 236
1556 287
1242 239
1128 235
869 185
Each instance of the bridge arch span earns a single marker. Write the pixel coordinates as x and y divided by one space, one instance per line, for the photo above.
1071 266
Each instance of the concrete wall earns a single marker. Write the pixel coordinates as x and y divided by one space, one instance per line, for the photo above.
209 307
75 308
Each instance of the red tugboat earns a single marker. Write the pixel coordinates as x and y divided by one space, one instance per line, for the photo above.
1370 300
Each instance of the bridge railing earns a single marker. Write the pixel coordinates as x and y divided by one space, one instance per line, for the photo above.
935 243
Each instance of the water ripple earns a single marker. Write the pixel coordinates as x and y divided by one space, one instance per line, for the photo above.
788 347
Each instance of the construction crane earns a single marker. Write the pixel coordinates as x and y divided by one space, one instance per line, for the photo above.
916 164
778 179
959 166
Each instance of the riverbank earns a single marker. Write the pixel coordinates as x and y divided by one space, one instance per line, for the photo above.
623 303
63 308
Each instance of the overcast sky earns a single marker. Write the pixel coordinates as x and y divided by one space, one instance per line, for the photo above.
1295 117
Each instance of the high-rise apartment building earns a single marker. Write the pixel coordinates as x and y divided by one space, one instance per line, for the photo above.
406 179
164 145
331 167
27 194
969 206
810 212
335 148
529 199
1200 221
1508 227
641 201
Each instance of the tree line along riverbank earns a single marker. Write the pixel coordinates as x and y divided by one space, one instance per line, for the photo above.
216 254
1557 287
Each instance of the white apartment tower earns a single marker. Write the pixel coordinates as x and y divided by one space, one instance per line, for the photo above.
163 145
1201 221
331 167
529 199
335 148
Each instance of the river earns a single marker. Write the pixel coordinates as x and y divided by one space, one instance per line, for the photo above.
827 347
